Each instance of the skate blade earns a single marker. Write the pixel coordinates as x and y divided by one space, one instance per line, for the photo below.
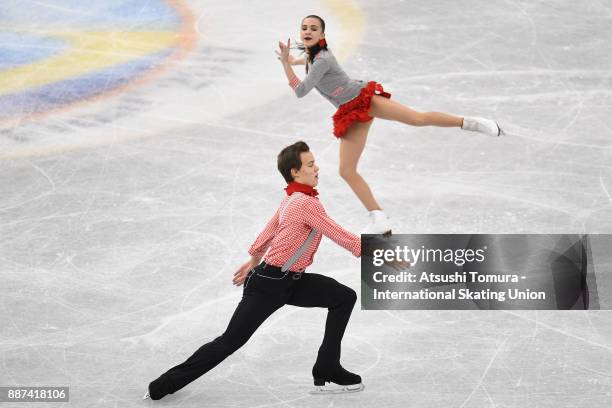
500 131
146 396
336 389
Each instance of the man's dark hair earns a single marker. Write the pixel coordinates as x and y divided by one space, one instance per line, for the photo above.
289 158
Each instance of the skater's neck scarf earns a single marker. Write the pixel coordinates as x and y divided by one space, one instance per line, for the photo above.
295 187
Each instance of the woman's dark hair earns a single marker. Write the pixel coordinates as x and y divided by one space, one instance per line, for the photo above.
314 50
289 158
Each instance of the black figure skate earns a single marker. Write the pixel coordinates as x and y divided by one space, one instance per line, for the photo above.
340 380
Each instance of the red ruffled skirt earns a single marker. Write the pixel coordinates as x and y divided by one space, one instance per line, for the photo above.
357 109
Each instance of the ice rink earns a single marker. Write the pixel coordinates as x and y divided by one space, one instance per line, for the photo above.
138 144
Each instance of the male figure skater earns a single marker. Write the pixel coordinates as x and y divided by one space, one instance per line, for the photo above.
287 246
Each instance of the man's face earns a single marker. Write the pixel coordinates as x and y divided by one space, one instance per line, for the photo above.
309 172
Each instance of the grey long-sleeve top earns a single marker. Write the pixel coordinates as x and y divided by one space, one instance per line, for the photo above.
326 76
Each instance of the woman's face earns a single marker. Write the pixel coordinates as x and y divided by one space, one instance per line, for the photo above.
310 31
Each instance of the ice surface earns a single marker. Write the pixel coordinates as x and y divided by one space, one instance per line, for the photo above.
122 218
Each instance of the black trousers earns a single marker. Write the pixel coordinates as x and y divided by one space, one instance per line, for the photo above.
267 289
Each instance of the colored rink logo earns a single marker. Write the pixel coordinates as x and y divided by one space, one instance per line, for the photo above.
54 55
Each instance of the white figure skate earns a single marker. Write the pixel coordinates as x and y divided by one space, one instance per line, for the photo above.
482 125
379 223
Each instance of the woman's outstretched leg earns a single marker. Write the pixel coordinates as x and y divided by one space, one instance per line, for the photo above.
352 144
389 109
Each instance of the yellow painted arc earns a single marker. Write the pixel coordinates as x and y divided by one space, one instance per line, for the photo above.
348 13
86 53
352 20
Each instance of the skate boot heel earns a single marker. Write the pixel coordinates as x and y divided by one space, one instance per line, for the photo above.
319 381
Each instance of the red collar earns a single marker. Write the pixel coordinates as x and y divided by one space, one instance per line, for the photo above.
295 187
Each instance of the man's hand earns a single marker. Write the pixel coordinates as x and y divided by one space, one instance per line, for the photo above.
243 271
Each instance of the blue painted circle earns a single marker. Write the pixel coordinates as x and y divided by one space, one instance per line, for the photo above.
19 49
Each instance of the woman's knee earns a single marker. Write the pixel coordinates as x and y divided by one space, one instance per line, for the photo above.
347 172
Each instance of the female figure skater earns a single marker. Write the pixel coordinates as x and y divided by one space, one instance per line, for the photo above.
358 102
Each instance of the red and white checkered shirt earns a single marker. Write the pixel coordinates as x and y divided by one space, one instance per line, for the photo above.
282 239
